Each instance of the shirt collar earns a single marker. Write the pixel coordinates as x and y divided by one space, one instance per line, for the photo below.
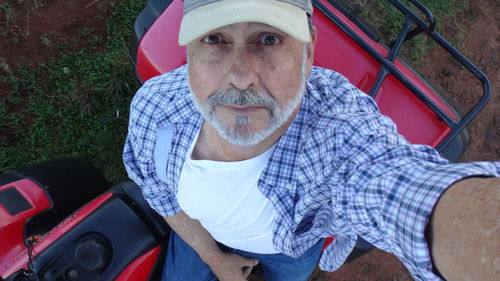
182 109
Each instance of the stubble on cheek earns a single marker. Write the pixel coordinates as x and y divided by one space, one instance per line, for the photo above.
204 76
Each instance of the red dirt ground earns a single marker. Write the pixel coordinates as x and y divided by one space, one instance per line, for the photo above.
22 42
56 20
35 30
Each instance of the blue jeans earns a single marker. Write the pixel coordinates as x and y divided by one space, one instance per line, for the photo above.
183 263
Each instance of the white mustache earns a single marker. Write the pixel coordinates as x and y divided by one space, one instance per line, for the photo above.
242 98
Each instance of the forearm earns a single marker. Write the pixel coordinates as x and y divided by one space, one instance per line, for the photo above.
465 230
195 235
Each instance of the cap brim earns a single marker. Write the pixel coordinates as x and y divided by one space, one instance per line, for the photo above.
284 16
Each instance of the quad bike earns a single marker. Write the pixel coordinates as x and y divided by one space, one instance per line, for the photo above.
61 220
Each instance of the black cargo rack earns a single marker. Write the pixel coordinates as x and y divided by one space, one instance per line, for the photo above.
452 142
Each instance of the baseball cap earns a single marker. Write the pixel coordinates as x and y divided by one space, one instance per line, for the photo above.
202 16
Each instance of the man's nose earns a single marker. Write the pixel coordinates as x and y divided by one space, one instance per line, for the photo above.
243 68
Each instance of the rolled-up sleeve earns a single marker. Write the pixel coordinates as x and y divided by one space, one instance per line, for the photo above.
389 189
393 212
138 154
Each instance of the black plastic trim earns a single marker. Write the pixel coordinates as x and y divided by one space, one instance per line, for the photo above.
143 22
13 176
69 182
9 177
13 201
114 222
352 13
131 194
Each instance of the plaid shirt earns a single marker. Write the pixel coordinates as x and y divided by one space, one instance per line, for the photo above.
340 169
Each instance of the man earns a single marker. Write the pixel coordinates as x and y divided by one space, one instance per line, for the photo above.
254 156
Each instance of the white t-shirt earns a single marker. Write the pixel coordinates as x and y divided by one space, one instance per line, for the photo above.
225 198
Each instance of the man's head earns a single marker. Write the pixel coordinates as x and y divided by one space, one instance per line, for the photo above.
248 63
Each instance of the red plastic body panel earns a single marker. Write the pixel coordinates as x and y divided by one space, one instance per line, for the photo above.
159 52
18 260
336 50
141 268
328 241
12 227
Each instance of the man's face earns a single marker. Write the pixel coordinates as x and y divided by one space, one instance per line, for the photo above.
248 79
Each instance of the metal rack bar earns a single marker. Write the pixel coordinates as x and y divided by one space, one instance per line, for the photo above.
387 63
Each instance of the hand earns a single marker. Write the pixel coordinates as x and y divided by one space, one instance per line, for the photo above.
231 267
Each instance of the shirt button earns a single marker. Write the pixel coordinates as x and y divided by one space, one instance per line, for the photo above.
289 186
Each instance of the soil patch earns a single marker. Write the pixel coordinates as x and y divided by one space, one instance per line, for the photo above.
479 27
32 31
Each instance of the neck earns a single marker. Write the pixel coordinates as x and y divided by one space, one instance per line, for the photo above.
211 146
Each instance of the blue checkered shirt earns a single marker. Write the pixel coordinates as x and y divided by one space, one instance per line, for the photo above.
340 170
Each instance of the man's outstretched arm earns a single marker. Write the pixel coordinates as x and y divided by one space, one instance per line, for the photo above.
465 230
225 266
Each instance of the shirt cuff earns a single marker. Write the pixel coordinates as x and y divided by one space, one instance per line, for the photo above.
164 204
416 211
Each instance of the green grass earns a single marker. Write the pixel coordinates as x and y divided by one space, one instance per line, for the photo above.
75 105
388 20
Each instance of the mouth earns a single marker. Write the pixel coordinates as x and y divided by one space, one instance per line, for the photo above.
243 108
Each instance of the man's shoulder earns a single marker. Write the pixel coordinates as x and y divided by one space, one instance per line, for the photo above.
331 94
166 96
169 85
322 75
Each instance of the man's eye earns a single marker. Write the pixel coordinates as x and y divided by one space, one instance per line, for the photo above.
269 40
212 39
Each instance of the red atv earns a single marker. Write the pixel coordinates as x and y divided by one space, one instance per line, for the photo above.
61 220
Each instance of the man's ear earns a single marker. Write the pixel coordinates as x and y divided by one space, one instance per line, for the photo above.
310 50
312 44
